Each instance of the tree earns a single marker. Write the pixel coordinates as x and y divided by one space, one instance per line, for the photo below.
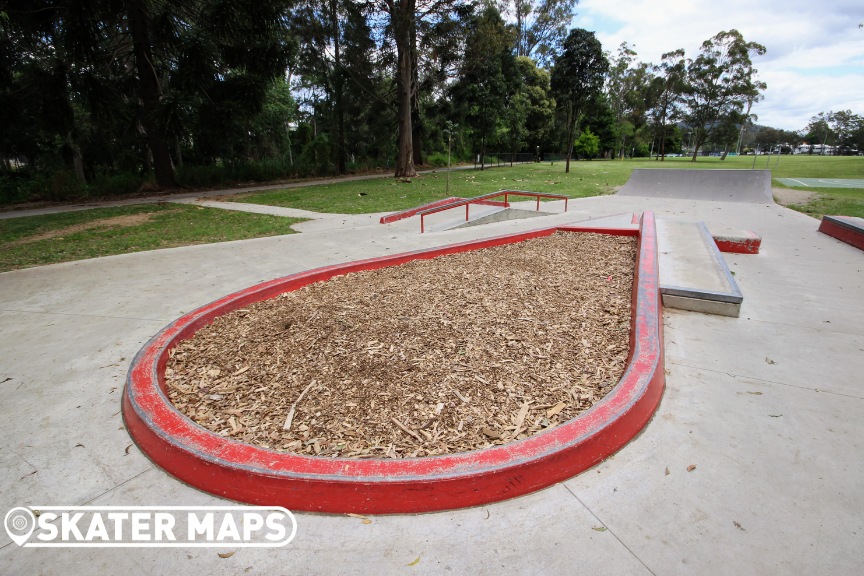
535 91
405 16
719 83
625 84
600 119
488 80
846 126
667 86
541 25
819 130
143 73
588 145
577 76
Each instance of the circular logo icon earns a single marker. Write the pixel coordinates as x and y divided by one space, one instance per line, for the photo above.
20 523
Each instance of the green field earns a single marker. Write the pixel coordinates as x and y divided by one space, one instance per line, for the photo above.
585 179
37 240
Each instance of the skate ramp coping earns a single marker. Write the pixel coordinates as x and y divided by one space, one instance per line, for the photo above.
753 186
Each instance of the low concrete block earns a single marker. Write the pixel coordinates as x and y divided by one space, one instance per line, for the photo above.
847 229
737 241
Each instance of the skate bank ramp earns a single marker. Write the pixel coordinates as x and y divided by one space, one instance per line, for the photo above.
753 186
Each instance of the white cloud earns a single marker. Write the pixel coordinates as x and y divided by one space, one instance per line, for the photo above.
815 50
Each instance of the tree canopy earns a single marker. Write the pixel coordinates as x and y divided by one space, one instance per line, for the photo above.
579 72
107 96
719 83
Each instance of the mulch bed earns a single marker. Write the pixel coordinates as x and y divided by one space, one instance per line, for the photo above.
432 357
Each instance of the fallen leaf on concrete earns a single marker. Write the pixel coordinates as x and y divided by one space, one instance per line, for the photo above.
599 528
769 361
415 562
128 448
79 445
226 554
691 467
667 471
738 526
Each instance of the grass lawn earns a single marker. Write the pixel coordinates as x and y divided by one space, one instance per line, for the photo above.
585 179
387 194
833 201
37 240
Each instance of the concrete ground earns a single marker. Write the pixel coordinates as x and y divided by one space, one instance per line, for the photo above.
768 408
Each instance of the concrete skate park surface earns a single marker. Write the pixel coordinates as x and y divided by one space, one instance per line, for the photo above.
767 407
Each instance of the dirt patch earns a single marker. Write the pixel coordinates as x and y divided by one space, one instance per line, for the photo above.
125 221
787 196
457 353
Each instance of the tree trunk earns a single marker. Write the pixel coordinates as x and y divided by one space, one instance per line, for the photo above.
338 91
149 92
663 142
572 120
402 19
697 143
416 122
77 160
416 134
178 153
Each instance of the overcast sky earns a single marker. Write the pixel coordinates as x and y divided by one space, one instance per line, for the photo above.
815 57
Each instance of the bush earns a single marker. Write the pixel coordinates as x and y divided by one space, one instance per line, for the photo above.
315 157
202 176
15 188
588 145
439 160
116 184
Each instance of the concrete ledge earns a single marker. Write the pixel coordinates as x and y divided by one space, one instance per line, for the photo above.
692 269
247 473
702 305
847 229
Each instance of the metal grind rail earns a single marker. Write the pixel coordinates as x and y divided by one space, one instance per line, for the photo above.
485 198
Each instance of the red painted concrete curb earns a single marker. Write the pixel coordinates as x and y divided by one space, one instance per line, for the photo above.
246 473
843 229
746 242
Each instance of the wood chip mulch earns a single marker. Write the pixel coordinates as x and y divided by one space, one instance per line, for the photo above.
431 357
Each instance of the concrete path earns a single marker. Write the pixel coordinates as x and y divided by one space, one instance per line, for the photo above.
190 197
769 407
